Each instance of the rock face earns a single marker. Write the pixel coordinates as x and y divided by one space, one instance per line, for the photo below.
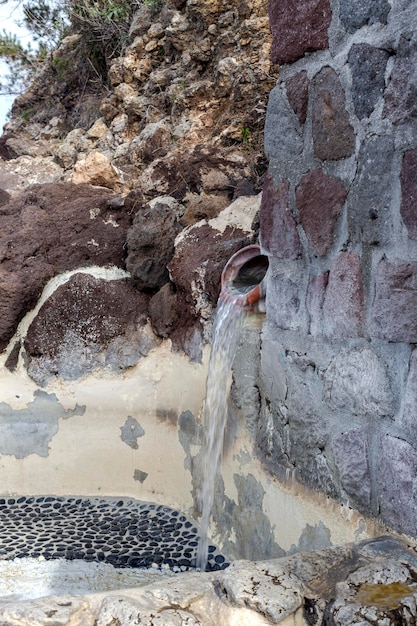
161 177
121 172
50 229
363 583
150 241
88 324
341 311
184 112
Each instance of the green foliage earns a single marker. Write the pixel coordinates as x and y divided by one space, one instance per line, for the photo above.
155 5
60 65
48 21
103 25
20 61
26 113
246 135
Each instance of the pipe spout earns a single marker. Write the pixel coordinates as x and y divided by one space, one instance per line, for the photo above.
243 279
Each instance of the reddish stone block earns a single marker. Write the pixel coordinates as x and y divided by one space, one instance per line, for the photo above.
297 94
394 312
408 178
298 27
320 199
278 228
333 135
343 310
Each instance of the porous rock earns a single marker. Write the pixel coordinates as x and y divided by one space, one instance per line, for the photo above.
368 77
397 484
394 312
203 249
85 324
400 105
298 28
263 586
369 202
408 178
283 139
297 94
320 200
333 135
163 310
150 241
356 13
357 380
47 230
351 452
343 306
280 237
95 169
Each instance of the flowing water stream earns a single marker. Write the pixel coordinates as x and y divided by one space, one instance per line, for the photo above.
226 332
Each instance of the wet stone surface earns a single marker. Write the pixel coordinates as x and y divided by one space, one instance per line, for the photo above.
121 532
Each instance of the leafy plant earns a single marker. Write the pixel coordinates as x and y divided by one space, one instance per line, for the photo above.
21 62
103 25
246 135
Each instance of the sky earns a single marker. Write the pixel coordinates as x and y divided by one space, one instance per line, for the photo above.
10 15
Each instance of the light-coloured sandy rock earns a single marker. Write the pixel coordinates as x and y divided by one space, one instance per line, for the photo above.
266 587
19 173
95 169
97 130
369 582
160 80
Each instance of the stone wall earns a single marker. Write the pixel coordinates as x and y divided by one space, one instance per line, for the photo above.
338 221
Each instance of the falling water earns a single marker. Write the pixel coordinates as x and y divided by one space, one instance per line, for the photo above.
225 340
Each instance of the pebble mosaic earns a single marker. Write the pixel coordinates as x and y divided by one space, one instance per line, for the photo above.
122 532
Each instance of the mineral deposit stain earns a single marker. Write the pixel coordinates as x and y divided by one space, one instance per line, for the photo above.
167 415
130 432
29 430
140 476
387 596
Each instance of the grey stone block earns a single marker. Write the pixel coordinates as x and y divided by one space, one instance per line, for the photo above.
283 134
370 198
350 450
397 484
357 383
367 65
357 13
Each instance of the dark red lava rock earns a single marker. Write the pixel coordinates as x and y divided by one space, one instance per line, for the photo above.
408 178
49 229
278 228
320 200
86 323
297 94
298 27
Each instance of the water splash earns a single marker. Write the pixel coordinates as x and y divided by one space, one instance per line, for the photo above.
226 332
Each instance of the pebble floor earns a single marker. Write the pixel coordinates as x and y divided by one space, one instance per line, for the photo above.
122 532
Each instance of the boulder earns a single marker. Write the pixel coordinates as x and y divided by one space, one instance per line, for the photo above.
47 230
88 323
150 241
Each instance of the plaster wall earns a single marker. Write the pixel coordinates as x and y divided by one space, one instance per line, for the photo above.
138 434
